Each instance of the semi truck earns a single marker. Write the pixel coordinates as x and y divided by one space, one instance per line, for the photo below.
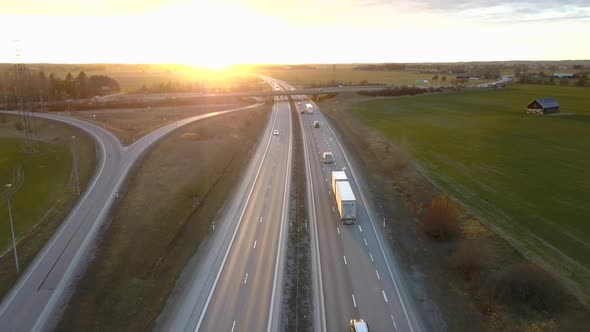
344 198
309 108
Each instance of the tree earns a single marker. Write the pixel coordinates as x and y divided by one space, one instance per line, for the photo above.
444 78
68 85
82 85
435 78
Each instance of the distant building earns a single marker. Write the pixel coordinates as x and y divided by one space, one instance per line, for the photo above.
564 75
543 106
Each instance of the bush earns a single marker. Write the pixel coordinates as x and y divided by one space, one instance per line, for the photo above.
526 284
470 258
440 220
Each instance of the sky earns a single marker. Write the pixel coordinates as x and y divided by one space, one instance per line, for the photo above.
222 32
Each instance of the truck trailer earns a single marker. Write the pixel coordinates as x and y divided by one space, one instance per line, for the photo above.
338 176
346 202
309 108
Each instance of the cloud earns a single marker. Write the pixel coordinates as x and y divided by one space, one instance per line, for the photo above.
493 11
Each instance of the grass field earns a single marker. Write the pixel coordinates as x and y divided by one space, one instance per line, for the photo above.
347 74
167 210
133 123
526 175
43 187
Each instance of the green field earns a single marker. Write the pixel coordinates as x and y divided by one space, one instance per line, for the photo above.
42 172
527 176
346 73
43 193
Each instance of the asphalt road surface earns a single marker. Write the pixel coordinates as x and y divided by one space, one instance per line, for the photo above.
359 276
37 300
235 283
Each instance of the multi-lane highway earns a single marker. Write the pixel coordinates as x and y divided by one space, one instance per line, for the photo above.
237 285
38 297
358 275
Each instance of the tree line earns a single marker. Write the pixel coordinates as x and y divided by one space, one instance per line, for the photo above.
18 83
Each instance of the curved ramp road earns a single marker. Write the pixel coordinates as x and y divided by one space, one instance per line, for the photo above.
236 286
37 299
358 275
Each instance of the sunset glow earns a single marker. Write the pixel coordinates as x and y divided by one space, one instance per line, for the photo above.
218 33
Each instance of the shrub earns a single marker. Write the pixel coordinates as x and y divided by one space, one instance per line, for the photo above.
440 220
470 258
526 284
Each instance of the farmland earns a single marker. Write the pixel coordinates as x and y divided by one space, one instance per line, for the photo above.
322 74
526 176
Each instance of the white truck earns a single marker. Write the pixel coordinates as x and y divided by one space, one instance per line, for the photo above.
344 197
309 108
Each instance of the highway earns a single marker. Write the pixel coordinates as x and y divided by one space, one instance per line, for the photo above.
39 296
235 285
359 276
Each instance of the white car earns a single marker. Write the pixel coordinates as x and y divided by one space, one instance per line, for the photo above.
276 132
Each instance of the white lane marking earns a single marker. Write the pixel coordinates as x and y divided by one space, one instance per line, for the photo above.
338 229
234 232
365 241
260 220
333 210
378 276
326 179
370 255
264 199
360 228
233 326
255 244
384 296
394 324
268 186
372 224
246 279
353 300
345 262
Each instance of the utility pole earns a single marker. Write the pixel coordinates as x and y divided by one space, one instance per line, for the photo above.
75 165
12 230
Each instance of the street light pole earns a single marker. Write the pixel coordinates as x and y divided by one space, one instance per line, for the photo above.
12 230
75 165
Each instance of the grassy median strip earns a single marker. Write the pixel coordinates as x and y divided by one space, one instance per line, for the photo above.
166 212
43 189
297 306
